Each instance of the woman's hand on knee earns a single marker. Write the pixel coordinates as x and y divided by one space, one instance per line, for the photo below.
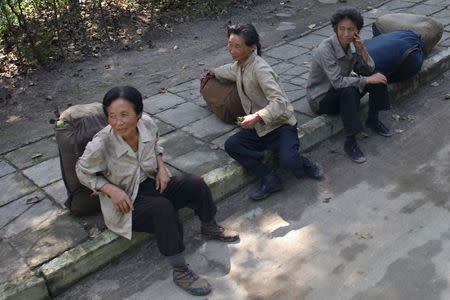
376 78
119 198
162 179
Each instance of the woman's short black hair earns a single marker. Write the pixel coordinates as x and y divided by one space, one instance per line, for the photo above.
248 33
347 13
128 93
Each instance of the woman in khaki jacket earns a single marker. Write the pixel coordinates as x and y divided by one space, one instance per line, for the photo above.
269 122
124 164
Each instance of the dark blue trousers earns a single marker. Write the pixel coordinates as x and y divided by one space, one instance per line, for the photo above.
246 147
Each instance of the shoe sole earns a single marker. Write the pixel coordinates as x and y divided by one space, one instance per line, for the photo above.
201 293
359 161
265 196
227 240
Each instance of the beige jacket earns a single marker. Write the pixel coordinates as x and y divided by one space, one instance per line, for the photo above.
109 159
260 92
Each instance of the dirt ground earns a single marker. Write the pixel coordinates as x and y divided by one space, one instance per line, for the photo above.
175 57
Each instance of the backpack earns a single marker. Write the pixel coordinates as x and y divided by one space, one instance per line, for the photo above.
80 124
398 54
222 98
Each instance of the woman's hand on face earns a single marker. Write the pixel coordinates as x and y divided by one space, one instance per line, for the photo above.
250 121
120 199
358 42
376 78
162 179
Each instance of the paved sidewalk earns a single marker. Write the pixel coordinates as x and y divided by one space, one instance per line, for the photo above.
33 236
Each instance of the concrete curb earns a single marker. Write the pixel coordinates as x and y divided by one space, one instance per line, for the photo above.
63 271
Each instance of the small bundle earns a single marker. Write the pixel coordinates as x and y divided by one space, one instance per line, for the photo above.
222 98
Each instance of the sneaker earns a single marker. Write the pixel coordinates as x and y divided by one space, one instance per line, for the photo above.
190 282
379 128
269 184
353 151
312 169
212 230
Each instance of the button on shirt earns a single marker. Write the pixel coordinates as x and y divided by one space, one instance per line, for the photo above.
331 68
260 92
109 159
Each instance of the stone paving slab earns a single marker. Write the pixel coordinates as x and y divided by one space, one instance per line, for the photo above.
14 186
5 168
161 102
58 192
423 9
309 41
282 67
296 94
44 173
38 245
208 128
189 85
173 141
34 216
15 208
302 106
13 266
285 52
23 157
220 141
193 96
183 114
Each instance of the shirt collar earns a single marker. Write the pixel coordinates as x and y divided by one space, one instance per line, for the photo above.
338 48
249 60
122 146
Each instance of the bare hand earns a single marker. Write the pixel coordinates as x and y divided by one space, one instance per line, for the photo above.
162 179
359 44
376 78
119 198
250 121
211 72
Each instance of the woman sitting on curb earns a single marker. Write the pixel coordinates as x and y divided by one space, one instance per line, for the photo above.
331 89
124 164
270 122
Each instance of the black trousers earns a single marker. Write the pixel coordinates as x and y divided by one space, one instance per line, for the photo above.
246 147
346 101
158 213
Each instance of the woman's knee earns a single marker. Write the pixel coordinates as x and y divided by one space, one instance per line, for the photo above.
231 144
287 159
161 206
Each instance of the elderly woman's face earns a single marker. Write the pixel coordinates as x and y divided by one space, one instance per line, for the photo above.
239 51
122 118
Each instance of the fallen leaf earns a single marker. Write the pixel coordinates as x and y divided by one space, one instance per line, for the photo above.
214 147
139 31
447 97
185 67
49 98
140 49
396 117
34 199
366 236
108 67
129 73
36 155
411 117
306 62
399 130
434 84
326 200
32 83
163 90
200 63
175 47
311 26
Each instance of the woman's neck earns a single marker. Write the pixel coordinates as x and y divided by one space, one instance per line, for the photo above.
133 140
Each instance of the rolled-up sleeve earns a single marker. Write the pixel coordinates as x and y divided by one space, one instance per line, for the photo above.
227 72
278 104
89 165
330 66
159 149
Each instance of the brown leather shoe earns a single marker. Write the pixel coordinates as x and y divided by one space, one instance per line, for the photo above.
186 279
212 230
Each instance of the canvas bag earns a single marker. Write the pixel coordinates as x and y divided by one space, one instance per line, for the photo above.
428 28
398 54
81 123
222 98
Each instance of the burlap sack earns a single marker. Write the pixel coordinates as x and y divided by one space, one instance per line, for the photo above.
81 123
222 98
429 28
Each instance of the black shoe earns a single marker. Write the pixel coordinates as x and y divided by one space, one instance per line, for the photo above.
269 184
379 128
312 169
353 151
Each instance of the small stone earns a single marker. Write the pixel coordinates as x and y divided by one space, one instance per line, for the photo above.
34 199
399 130
140 49
447 97
163 90
434 84
411 117
396 117
214 147
175 47
200 63
36 155
311 26
139 31
49 98
366 236
326 200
